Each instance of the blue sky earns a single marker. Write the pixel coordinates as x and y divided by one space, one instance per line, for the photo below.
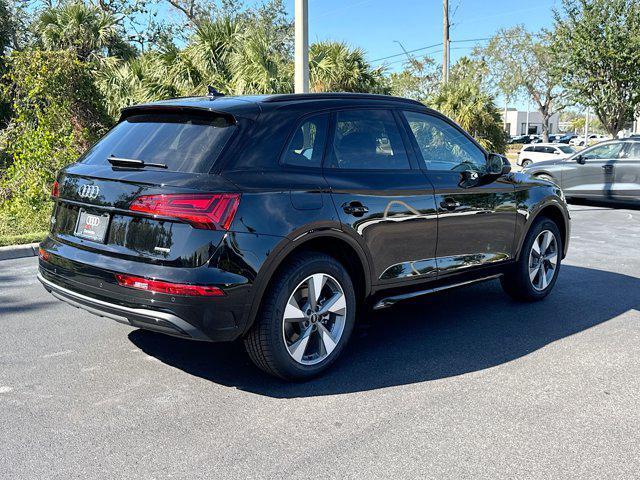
375 24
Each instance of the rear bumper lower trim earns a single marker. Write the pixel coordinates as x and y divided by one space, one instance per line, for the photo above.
137 317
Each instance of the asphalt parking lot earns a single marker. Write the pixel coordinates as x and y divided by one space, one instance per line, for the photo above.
465 384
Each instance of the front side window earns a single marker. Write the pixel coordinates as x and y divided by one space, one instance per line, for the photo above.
603 152
306 146
367 140
184 143
443 146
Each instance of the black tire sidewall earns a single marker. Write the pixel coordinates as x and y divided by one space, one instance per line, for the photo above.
288 281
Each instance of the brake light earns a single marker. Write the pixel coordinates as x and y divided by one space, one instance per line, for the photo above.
55 190
169 288
210 211
43 254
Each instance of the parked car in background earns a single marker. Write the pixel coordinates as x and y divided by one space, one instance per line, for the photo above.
543 151
593 138
272 219
608 171
525 139
566 138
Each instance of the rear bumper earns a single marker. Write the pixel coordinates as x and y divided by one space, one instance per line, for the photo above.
162 322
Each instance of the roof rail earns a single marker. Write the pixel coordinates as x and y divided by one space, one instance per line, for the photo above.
287 97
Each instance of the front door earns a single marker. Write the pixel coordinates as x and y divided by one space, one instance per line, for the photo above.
476 214
381 196
591 174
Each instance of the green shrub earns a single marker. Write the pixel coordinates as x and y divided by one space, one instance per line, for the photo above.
58 113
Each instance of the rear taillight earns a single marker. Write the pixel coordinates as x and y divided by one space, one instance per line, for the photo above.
169 288
43 254
210 211
55 190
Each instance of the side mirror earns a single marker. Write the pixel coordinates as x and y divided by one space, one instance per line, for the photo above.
497 164
581 160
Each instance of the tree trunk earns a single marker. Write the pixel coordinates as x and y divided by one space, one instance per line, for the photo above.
545 127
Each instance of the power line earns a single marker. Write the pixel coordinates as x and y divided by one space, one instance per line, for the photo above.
428 47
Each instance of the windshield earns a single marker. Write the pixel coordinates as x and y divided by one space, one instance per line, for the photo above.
184 143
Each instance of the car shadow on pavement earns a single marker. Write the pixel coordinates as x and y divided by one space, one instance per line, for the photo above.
445 335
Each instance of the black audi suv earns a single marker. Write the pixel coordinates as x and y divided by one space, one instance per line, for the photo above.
276 218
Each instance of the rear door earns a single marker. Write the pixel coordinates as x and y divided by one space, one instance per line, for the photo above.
593 178
626 184
381 196
476 223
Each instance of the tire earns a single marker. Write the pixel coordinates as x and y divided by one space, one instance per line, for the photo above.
526 163
518 281
278 336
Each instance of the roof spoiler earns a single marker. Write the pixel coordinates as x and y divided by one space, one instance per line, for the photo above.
147 109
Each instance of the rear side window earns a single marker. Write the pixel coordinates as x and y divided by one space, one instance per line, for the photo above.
306 146
184 143
368 140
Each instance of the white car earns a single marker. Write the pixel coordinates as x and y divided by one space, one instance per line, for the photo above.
543 151
593 138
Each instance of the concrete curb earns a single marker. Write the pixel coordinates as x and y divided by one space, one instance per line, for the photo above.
19 251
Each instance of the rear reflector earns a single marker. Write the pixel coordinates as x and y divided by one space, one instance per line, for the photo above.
210 211
168 287
55 190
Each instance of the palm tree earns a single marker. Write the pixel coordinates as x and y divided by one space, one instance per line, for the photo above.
259 66
333 66
464 100
81 28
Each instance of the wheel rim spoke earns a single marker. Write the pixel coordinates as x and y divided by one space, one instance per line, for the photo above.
327 339
292 312
315 284
335 304
297 349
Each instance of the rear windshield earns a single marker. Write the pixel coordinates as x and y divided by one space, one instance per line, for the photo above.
184 143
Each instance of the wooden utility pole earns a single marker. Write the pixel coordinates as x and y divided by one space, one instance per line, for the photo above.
445 42
301 46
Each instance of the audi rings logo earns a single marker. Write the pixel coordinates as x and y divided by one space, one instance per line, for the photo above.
93 221
89 191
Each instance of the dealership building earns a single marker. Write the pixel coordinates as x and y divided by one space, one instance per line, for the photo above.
518 122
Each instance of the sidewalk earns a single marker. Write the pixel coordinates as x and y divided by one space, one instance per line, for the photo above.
19 251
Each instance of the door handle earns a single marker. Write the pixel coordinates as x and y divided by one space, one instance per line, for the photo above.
449 204
354 208
607 168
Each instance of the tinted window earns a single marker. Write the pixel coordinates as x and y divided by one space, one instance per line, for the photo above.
529 149
443 146
367 139
306 146
183 143
632 151
603 152
566 149
549 149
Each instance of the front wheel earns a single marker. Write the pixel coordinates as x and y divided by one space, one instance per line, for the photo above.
536 272
305 320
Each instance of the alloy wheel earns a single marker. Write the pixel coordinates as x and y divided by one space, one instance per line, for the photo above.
543 260
314 319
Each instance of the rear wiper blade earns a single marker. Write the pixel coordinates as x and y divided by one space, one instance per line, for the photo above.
133 163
